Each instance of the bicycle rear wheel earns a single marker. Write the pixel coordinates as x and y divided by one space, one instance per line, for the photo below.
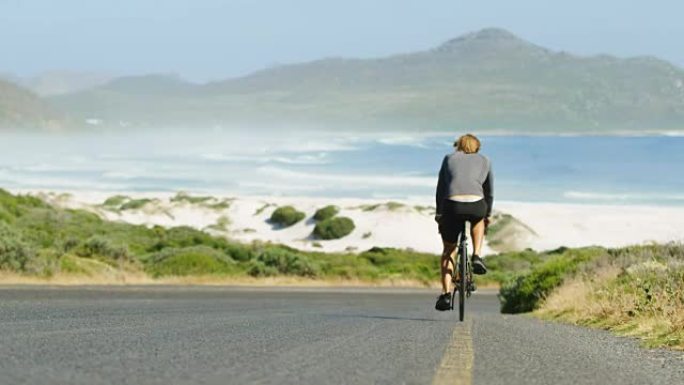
463 281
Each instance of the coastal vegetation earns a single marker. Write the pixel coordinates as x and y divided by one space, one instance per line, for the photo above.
222 224
204 201
286 216
636 291
334 228
40 240
325 213
262 208
120 203
329 225
389 206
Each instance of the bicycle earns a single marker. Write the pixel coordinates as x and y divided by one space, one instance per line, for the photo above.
464 287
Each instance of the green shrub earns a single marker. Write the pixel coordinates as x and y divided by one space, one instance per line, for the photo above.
14 252
98 246
222 204
187 198
286 216
379 255
204 201
45 263
334 228
505 266
194 260
239 252
391 263
135 204
257 268
6 216
287 261
14 206
184 236
222 224
391 206
115 202
262 208
525 292
326 212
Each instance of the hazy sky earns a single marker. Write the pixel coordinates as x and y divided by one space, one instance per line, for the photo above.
209 39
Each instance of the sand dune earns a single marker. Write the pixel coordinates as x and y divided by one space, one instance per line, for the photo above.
405 224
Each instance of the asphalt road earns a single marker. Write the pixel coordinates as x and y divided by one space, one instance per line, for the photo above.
166 335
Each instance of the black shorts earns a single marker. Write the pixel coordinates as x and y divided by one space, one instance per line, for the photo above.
455 214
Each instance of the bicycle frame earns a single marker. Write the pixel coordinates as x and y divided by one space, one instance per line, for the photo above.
462 274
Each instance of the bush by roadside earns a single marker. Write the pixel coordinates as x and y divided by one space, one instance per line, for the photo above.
523 293
634 291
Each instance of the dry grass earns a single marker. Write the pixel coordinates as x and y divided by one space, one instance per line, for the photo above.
644 301
131 278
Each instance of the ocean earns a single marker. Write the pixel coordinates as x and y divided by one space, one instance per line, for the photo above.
573 169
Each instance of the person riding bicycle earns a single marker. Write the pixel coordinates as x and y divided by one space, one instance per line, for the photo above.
464 193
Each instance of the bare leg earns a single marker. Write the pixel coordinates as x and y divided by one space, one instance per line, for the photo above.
447 265
477 233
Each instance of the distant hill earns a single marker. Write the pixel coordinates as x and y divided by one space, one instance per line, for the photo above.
63 82
21 109
486 80
149 101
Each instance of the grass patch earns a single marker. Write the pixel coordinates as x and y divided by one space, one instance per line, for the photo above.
184 197
391 206
192 260
222 224
135 204
263 208
115 202
203 201
430 210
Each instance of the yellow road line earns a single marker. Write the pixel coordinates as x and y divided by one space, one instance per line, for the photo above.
457 364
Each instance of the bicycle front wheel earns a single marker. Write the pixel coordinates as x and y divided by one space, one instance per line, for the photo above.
462 283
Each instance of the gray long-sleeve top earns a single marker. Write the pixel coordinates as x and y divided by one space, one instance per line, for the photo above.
465 174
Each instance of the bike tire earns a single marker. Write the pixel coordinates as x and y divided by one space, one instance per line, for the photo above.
463 282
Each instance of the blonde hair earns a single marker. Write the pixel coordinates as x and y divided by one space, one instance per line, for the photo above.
468 143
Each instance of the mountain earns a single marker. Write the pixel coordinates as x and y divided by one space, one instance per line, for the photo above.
63 82
148 100
486 80
20 109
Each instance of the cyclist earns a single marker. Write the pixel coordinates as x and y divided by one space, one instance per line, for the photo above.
464 193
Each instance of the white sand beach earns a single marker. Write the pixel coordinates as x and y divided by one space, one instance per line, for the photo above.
399 224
